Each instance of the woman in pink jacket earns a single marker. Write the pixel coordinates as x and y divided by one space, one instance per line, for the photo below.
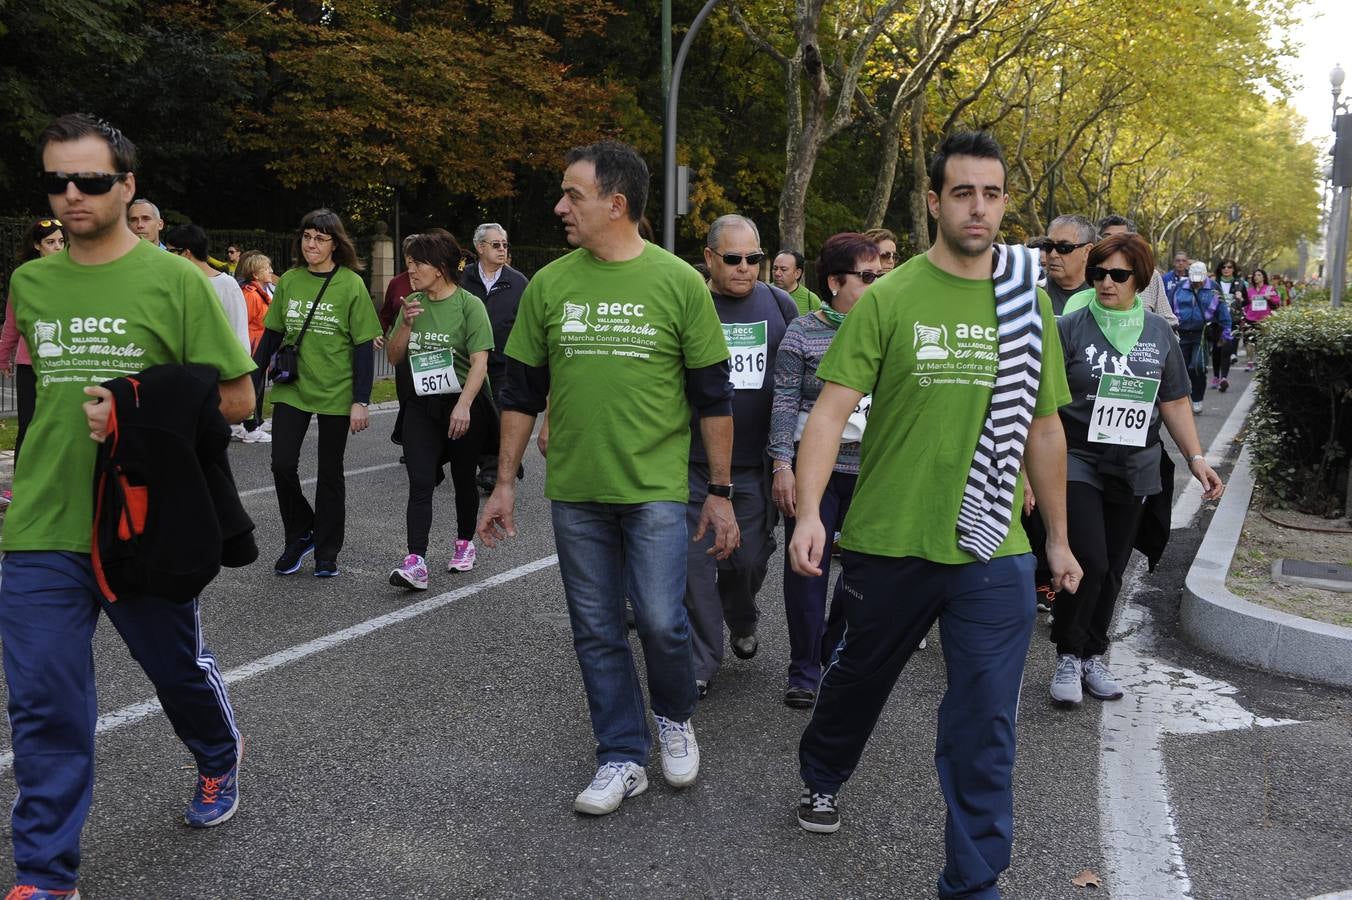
1261 301
45 237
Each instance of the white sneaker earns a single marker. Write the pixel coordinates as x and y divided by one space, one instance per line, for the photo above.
1196 407
237 433
257 436
613 782
265 425
680 752
1066 689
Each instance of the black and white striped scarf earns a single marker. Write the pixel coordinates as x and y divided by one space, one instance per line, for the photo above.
988 500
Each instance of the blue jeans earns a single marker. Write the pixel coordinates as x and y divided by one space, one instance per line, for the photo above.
607 552
49 605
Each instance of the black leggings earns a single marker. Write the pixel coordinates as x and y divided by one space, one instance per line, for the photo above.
425 447
1102 529
26 392
328 518
1220 358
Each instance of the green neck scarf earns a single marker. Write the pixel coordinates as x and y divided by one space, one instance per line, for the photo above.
833 317
1122 327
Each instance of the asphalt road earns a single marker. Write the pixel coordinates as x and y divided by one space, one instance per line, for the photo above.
435 751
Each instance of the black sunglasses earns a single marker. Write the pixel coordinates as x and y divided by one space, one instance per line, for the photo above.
92 183
1098 273
499 245
175 249
752 259
866 276
1062 247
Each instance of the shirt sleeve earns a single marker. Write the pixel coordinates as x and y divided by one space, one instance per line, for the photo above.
855 357
362 323
526 343
702 340
9 337
208 338
1053 392
478 330
788 387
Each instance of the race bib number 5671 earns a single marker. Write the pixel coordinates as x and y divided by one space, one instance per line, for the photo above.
434 373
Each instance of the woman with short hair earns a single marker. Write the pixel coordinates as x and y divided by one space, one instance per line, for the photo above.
324 310
1127 376
848 264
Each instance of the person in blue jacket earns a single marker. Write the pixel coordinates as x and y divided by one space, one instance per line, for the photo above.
1203 322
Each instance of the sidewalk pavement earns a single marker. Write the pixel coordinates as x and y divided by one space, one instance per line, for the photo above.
1221 623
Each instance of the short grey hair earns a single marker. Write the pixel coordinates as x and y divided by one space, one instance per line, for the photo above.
1081 224
722 223
147 203
481 233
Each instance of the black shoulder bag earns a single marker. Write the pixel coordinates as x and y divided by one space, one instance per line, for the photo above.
285 368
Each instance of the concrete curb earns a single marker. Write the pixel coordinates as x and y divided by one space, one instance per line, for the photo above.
1222 623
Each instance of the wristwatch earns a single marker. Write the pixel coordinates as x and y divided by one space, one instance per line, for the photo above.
360 403
720 490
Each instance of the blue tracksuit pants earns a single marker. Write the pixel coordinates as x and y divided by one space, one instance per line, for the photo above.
49 605
986 613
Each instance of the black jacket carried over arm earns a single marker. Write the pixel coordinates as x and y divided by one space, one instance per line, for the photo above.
167 514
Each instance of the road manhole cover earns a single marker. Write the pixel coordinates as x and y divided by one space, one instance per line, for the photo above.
1326 575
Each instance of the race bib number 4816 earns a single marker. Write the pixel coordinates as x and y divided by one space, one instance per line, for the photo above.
748 345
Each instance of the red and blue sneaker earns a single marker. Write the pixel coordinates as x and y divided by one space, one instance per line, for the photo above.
214 801
30 892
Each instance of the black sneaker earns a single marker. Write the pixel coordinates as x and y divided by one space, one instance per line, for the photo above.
701 688
745 647
818 813
800 698
294 554
326 568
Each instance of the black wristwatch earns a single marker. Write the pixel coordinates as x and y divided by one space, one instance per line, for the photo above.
720 490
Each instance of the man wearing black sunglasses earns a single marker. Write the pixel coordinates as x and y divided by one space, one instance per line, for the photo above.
1067 245
110 307
755 317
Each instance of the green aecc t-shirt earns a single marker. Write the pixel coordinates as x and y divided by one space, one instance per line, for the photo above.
458 322
344 318
87 325
618 337
924 343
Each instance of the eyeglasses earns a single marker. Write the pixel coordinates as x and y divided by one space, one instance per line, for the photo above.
886 255
48 223
1098 273
1064 248
92 183
752 259
866 276
175 250
309 238
497 245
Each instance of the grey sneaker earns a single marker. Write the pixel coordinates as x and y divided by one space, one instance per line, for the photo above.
1066 681
1097 680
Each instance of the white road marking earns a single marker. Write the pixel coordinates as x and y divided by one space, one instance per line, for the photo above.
347 474
129 715
1189 501
1138 832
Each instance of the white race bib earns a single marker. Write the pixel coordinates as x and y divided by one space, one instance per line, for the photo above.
749 346
434 373
1258 304
858 421
1122 410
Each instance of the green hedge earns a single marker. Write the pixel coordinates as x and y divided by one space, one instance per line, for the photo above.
1300 430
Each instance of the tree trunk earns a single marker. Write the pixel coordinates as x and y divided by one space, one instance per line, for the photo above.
798 169
920 241
887 175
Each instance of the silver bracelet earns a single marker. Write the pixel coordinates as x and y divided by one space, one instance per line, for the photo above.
1195 457
775 470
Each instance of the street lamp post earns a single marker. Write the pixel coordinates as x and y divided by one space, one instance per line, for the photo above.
1342 181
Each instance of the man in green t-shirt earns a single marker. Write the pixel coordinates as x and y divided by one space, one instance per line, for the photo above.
787 273
622 339
925 342
111 306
